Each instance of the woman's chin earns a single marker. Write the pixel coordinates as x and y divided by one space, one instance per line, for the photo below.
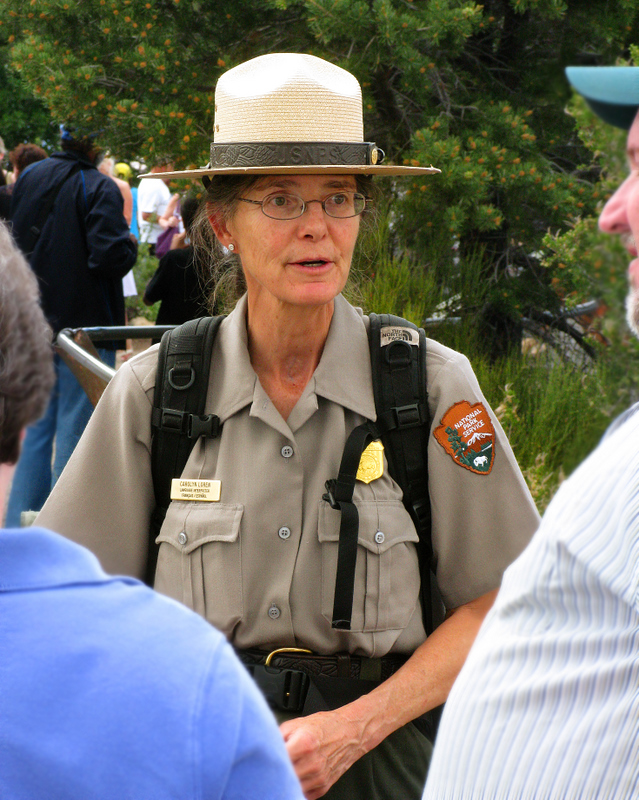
311 293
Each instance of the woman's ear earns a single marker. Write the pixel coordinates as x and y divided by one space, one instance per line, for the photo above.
220 228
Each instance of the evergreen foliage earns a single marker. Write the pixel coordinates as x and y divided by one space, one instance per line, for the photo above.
22 117
476 89
503 240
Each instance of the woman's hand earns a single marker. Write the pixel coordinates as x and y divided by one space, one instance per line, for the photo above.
322 747
169 222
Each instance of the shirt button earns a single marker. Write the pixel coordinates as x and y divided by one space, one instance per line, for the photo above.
379 537
284 532
274 612
182 538
287 451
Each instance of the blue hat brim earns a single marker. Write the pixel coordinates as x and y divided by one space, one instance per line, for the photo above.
611 92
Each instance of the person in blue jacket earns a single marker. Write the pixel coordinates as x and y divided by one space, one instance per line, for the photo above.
108 689
67 219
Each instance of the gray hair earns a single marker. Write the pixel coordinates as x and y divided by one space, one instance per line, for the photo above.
26 359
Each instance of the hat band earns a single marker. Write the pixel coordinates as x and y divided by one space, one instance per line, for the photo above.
295 154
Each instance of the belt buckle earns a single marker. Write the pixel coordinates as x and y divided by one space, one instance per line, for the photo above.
284 689
279 650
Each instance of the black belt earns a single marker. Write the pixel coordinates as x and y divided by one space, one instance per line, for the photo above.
284 674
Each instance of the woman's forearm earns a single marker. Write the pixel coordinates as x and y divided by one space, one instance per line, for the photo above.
425 679
323 746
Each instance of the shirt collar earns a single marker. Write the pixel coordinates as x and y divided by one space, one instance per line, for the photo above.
232 380
35 558
73 155
342 376
344 372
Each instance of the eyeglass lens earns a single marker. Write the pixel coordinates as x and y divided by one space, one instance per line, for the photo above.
282 205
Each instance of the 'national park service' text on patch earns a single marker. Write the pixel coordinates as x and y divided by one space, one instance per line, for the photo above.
466 433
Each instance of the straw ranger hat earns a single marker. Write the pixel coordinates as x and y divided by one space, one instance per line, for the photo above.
290 112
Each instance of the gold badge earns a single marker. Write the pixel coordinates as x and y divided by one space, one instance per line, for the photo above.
371 464
201 491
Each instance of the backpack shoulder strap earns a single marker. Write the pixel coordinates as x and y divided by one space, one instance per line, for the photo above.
398 363
177 417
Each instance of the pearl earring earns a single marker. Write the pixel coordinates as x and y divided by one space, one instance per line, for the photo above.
231 247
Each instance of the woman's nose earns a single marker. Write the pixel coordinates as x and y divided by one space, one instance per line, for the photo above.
614 217
314 217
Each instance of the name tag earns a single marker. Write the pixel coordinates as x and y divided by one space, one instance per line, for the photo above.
202 491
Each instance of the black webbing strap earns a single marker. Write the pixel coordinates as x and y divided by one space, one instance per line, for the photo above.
177 417
398 361
339 493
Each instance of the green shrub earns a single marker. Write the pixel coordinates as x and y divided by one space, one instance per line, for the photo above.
552 409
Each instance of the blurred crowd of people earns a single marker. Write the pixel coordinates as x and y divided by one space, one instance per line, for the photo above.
78 216
159 220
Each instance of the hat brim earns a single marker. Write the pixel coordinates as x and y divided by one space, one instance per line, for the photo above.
611 92
388 170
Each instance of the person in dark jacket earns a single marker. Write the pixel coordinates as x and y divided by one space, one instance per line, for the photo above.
176 282
68 220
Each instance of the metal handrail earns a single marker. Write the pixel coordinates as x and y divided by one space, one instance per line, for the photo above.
104 334
75 346
83 357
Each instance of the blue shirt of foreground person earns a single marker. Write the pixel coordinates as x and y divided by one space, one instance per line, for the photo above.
107 689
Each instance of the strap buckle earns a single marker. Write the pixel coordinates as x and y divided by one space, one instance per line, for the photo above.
409 416
207 425
172 420
190 425
329 496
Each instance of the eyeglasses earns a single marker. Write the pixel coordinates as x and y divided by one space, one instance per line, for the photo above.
281 205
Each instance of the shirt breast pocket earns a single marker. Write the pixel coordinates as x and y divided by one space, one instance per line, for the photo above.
200 560
387 572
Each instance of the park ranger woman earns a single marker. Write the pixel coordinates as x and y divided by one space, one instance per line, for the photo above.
288 182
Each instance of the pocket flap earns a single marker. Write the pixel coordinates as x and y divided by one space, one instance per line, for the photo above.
381 524
190 525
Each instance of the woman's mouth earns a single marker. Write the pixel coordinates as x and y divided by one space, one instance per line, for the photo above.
311 264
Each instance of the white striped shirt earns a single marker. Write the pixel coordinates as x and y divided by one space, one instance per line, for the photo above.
547 704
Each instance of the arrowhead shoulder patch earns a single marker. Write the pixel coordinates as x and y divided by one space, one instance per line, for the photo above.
466 433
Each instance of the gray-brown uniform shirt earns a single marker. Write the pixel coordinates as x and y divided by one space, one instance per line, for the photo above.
260 563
